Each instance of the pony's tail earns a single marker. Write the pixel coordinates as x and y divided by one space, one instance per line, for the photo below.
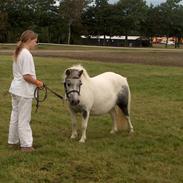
122 123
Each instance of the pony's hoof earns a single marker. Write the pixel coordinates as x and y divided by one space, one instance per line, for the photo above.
73 136
131 132
113 131
82 141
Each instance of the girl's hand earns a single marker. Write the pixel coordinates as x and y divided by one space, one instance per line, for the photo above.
39 83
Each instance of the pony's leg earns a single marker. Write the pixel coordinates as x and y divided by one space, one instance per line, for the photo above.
85 117
131 130
114 127
74 125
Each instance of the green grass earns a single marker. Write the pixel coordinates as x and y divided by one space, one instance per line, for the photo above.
152 155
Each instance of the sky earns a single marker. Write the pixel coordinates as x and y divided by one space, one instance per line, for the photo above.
154 2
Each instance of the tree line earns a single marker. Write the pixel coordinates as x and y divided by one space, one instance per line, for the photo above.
64 21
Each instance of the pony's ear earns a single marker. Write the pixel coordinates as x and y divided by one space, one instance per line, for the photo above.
67 72
80 73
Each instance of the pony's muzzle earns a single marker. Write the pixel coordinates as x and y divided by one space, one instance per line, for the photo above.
74 102
73 97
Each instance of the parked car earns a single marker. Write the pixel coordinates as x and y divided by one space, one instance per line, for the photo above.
169 42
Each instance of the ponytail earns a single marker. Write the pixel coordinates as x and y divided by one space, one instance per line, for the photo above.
26 36
18 49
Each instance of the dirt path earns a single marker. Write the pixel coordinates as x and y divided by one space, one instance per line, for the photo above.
139 56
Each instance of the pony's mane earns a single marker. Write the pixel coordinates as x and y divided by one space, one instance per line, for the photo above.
80 67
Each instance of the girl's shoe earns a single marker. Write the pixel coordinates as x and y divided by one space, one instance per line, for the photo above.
27 149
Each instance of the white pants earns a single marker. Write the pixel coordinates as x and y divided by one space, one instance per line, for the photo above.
19 129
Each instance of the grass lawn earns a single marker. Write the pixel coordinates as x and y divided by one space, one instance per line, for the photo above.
152 155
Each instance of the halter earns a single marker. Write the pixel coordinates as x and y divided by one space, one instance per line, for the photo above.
72 91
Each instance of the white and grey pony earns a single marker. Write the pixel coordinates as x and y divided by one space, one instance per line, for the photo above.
96 95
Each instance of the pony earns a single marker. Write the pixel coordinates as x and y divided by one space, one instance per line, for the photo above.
105 93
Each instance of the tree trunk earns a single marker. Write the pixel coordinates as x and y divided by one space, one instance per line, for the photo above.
151 42
166 45
126 40
104 43
177 42
69 31
69 34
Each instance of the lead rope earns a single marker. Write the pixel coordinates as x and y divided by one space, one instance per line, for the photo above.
45 88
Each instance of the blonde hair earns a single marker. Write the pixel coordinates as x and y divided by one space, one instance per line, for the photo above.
25 36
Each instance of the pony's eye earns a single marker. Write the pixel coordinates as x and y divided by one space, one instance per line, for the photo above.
68 84
79 84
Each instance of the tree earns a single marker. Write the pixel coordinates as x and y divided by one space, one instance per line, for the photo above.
46 15
168 12
66 21
28 14
152 25
131 13
177 30
71 11
102 14
99 19
3 24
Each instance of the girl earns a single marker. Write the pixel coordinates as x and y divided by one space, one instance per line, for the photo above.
22 92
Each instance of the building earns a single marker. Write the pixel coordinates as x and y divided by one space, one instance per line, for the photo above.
119 41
